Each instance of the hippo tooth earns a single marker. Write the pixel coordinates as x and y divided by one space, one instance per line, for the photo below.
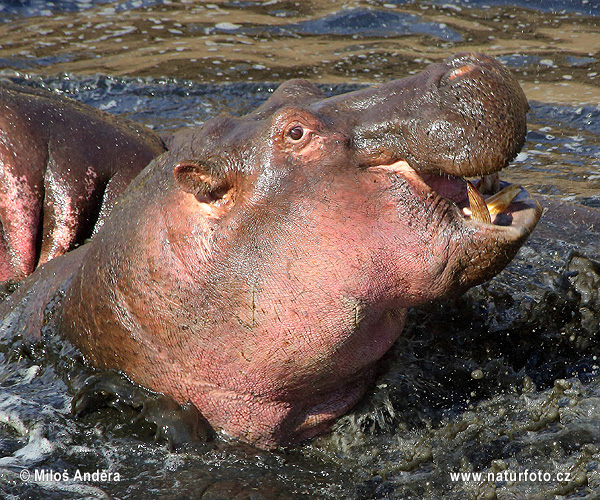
479 210
498 203
488 184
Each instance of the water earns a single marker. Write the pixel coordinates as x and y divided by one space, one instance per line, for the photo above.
504 379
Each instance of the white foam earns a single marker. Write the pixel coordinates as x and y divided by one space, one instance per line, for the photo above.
227 26
37 448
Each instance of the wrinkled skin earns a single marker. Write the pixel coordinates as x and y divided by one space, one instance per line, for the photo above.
262 266
62 166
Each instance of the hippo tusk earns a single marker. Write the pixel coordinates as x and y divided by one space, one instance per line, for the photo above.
479 210
482 210
500 201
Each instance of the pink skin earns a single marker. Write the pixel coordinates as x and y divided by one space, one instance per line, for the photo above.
20 200
62 166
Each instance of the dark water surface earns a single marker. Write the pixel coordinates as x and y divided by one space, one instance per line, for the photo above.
503 380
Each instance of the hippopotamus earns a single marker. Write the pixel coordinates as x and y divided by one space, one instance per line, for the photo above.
63 165
262 266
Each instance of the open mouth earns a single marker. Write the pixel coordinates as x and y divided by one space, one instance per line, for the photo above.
486 200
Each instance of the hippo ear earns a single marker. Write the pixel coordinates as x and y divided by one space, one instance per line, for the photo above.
196 179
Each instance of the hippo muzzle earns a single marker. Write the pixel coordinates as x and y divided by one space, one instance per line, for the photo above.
465 117
261 267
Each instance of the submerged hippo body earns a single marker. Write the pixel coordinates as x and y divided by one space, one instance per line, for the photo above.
263 266
63 165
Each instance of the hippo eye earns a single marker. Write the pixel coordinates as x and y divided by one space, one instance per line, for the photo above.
296 133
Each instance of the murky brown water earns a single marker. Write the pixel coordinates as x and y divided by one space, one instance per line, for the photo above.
553 54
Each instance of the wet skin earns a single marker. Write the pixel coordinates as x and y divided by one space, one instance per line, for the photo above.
261 267
62 166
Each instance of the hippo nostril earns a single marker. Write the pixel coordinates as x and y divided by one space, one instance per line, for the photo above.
463 70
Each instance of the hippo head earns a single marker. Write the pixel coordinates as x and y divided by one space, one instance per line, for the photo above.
262 266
